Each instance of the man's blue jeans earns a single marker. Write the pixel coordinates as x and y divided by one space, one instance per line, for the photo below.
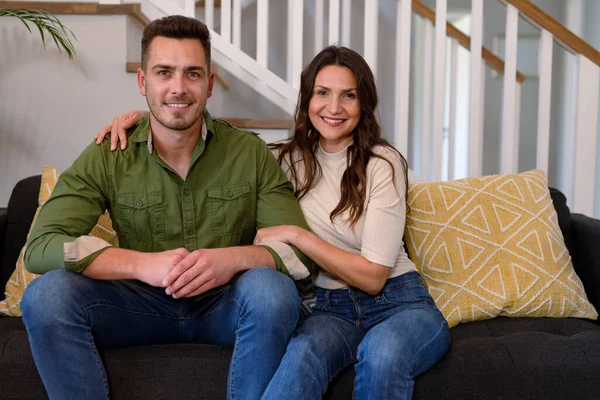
69 316
392 337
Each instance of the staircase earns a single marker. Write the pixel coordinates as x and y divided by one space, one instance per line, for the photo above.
418 58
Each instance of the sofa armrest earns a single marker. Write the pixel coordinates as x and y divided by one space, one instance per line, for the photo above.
586 254
3 224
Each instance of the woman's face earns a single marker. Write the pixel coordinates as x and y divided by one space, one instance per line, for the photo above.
334 108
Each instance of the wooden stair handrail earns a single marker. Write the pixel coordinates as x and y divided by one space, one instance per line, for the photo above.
464 40
248 123
567 39
133 10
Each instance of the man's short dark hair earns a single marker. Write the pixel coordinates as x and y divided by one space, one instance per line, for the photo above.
175 27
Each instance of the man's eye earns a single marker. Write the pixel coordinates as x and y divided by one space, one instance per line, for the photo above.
194 74
163 73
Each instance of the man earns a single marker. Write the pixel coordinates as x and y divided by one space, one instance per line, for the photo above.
185 196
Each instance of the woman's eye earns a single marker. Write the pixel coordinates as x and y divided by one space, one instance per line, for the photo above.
350 95
321 93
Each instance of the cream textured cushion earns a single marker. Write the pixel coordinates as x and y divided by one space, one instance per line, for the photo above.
20 278
491 246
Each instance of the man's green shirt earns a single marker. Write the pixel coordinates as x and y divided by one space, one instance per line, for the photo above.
234 186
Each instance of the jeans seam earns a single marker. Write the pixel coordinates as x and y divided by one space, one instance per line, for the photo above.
428 342
223 304
85 308
100 364
235 346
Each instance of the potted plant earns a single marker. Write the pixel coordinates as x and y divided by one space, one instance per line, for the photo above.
47 24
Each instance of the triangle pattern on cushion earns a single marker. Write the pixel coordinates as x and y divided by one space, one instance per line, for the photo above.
451 196
510 189
418 238
493 283
440 261
422 202
524 279
505 217
496 251
476 219
469 252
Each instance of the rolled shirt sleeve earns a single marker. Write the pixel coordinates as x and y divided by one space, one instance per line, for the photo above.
59 238
276 205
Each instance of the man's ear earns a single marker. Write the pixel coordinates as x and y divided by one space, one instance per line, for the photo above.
141 80
211 84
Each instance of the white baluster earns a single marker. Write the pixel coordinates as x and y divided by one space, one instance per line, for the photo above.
439 89
508 160
586 129
426 111
452 107
517 108
481 108
226 20
319 24
294 55
371 26
190 8
544 102
476 110
334 22
402 79
209 13
237 23
262 32
346 22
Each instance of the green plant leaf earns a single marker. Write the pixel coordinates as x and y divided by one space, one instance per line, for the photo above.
45 22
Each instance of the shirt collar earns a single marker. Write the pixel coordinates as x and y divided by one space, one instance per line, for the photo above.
142 132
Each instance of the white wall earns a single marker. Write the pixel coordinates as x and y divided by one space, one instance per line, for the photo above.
51 107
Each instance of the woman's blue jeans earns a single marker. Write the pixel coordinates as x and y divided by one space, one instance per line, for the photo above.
392 337
69 316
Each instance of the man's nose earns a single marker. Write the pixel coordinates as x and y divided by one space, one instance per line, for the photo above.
178 85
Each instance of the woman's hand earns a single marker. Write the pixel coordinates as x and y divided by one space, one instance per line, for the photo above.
118 128
281 233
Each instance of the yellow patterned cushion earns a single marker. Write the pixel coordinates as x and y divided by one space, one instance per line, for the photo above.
491 246
21 277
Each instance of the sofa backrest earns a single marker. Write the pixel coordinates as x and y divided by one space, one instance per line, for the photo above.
564 216
21 210
24 201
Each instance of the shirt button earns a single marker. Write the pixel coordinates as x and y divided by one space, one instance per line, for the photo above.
186 192
140 203
229 194
190 232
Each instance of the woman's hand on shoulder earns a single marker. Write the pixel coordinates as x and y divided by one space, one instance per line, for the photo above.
118 128
280 233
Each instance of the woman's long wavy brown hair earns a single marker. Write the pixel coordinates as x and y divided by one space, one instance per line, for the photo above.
302 147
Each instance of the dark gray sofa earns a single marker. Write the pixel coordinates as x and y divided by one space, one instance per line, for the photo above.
504 358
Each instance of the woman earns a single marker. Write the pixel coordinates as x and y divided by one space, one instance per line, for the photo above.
372 306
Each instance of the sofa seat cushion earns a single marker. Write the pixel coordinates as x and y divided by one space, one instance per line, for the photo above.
145 372
19 377
514 357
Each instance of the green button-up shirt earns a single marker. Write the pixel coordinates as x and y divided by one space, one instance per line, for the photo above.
234 186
